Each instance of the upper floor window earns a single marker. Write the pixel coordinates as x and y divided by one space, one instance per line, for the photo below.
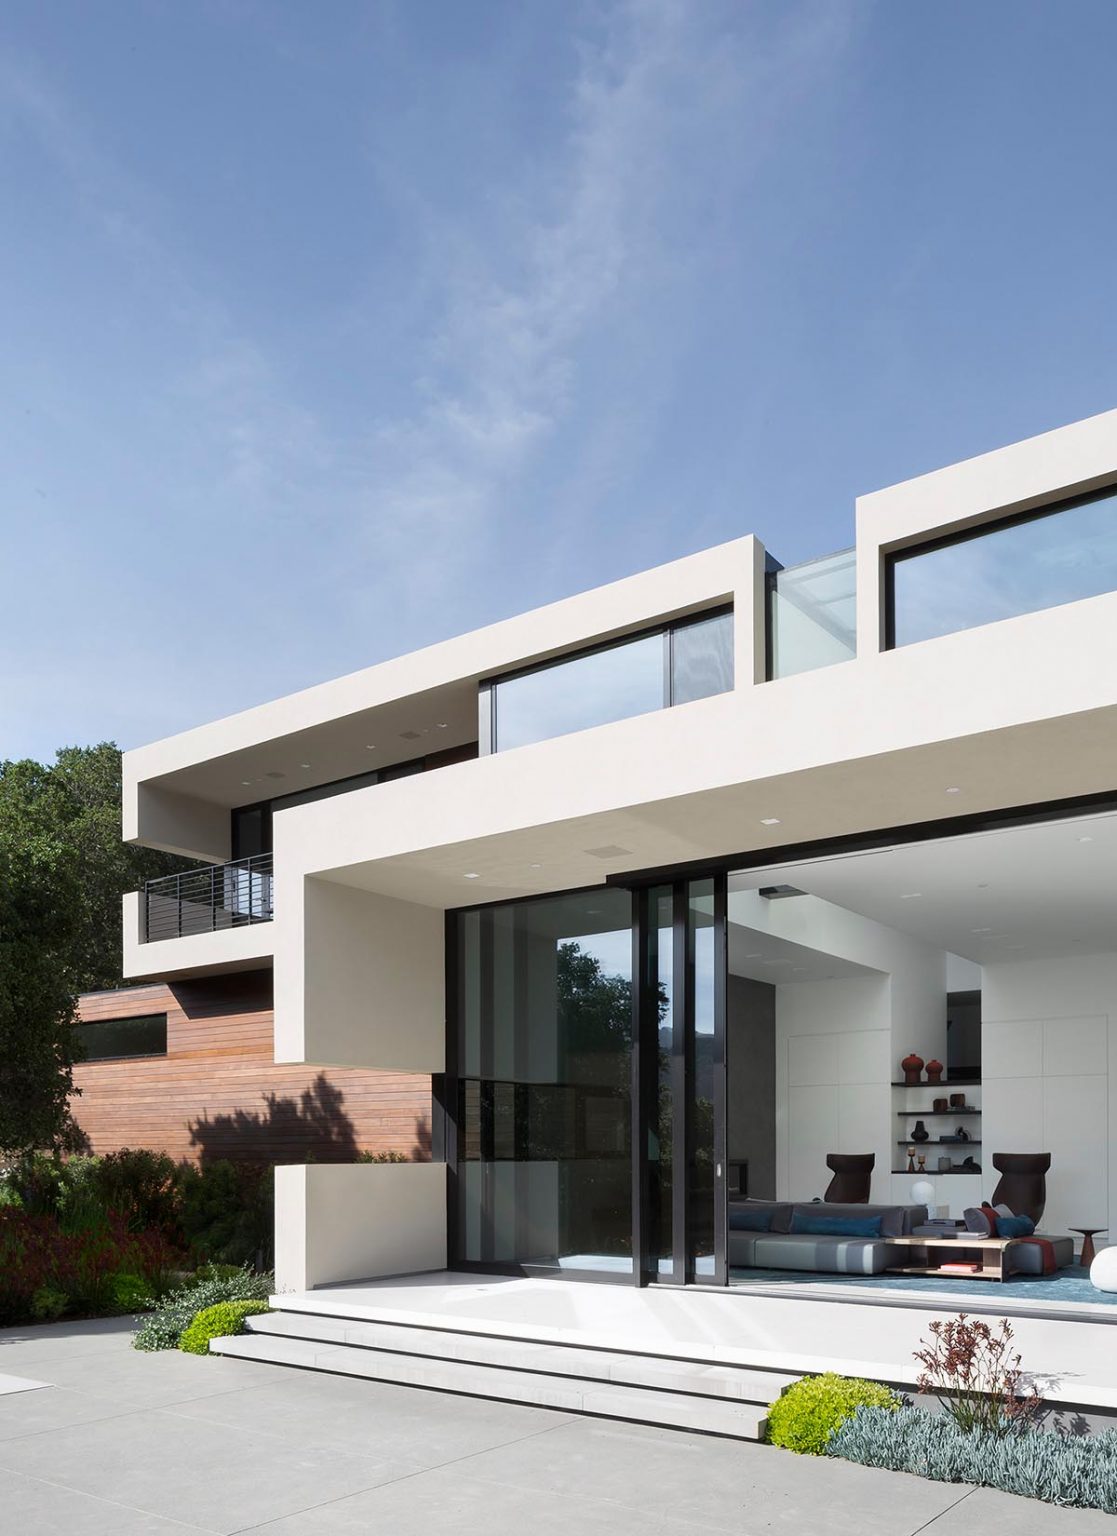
111 1039
676 664
1018 565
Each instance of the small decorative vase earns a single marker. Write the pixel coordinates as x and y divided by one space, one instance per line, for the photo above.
945 1165
913 1066
934 1072
957 1101
939 1106
921 1133
962 1134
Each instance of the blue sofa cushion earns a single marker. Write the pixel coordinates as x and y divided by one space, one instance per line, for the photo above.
804 1224
1015 1226
754 1218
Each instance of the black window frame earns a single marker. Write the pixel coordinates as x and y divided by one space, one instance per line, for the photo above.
487 686
969 535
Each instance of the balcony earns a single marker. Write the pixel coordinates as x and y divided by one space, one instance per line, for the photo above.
206 900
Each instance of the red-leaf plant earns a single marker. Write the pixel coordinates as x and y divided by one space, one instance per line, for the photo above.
971 1369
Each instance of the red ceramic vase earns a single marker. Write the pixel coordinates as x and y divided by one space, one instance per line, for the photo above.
913 1066
934 1071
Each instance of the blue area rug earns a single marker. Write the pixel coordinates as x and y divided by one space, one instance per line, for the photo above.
1070 1285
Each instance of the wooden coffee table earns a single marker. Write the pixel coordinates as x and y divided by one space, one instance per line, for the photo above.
992 1252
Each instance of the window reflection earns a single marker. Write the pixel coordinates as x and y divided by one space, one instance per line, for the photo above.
997 572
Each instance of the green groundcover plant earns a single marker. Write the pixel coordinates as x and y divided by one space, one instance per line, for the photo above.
164 1327
809 1411
1079 1470
217 1322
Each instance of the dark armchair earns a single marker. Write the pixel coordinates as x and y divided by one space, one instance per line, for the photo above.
1023 1182
853 1172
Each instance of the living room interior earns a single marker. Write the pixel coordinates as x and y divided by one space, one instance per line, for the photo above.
925 1009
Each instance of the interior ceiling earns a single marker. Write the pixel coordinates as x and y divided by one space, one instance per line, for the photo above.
374 738
1042 891
766 957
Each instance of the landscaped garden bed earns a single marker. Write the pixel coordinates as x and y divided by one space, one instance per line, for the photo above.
988 1431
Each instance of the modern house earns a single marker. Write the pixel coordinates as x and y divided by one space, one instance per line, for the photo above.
661 884
188 1068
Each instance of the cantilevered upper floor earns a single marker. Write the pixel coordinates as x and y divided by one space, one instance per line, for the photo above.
960 658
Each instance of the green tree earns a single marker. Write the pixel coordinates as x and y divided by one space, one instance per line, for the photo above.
40 924
77 800
63 870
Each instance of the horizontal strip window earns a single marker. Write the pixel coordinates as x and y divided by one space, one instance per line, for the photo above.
1021 564
672 664
114 1039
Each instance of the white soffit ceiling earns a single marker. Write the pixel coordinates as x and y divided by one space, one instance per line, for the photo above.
1025 892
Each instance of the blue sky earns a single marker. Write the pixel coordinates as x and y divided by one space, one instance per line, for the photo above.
333 330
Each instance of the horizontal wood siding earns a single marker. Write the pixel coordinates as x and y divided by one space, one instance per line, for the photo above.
219 1093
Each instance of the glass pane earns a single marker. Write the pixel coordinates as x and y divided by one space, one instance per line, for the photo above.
700 946
813 614
110 1038
998 572
702 659
573 695
545 1011
660 1131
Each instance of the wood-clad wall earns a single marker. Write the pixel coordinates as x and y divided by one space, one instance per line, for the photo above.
218 1092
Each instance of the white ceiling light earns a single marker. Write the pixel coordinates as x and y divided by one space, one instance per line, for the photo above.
304 765
769 821
911 896
953 790
472 877
370 746
981 930
1085 839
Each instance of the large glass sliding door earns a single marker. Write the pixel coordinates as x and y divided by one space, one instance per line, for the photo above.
680 1083
586 1091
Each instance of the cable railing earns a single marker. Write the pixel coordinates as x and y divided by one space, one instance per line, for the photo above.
206 899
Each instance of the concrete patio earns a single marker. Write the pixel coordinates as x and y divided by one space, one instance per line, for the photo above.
165 1445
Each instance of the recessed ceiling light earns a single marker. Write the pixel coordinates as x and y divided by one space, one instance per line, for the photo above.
769 821
756 956
443 725
537 866
981 930
911 895
370 746
246 782
1085 839
304 765
953 789
473 877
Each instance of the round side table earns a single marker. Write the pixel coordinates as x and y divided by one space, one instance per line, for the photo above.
1088 1250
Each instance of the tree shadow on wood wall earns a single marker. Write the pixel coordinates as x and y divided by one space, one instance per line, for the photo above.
313 1127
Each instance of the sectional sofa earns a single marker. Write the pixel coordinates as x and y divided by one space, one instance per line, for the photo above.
826 1239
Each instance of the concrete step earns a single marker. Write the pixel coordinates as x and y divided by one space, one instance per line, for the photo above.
656 1372
566 1394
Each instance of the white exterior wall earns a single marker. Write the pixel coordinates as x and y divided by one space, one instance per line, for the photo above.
357 1221
359 979
1049 1066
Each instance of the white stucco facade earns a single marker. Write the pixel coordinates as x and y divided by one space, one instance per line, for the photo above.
1016 713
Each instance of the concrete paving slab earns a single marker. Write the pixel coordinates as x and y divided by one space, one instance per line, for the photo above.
35 1508
53 1408
723 1485
1003 1514
181 1469
412 1428
451 1498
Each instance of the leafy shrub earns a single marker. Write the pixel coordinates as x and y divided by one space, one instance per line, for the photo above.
807 1413
217 1322
141 1186
1078 1470
35 1253
227 1211
971 1369
164 1328
48 1303
382 1157
132 1293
